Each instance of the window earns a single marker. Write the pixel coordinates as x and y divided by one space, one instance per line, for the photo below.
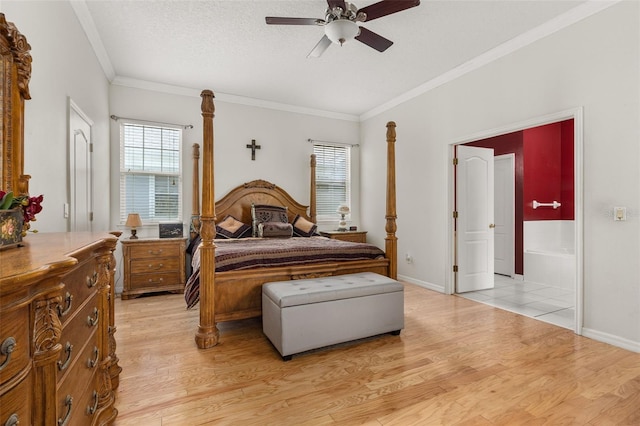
150 173
333 178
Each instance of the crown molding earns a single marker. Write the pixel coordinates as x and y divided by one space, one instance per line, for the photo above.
554 25
234 99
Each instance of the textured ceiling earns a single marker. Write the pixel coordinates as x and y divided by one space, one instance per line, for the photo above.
227 47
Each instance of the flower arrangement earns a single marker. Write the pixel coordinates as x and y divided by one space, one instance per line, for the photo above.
30 207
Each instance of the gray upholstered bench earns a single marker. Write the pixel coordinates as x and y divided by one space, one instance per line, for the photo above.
301 315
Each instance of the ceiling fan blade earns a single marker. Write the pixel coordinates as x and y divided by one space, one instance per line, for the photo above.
337 3
272 20
373 40
387 7
319 49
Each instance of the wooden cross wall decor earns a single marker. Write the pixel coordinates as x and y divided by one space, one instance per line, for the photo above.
253 148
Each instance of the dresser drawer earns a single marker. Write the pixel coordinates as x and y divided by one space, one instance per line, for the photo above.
75 335
14 342
81 370
80 284
76 406
15 405
155 249
159 264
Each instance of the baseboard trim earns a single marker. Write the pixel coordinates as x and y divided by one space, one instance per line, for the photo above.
611 339
425 284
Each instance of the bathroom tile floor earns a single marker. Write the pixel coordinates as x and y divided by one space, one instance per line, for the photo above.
550 304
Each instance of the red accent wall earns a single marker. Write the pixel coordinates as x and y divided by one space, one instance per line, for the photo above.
548 171
542 163
567 186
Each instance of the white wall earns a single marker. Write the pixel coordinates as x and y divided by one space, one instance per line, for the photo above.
592 64
64 65
283 158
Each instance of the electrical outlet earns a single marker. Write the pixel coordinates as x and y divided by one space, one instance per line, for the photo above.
408 258
66 210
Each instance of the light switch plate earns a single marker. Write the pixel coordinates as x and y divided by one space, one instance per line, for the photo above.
619 214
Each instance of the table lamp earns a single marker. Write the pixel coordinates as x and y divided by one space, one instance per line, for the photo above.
343 209
133 222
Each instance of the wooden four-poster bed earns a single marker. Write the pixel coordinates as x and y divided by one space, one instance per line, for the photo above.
226 295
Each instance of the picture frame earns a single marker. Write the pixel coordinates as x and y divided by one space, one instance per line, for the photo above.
170 229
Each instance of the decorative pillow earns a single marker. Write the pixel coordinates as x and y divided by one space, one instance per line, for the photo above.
303 228
275 230
261 213
231 227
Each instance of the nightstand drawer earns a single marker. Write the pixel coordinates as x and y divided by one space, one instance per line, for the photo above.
155 250
153 280
164 264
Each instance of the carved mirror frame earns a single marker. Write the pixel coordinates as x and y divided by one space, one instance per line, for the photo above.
15 73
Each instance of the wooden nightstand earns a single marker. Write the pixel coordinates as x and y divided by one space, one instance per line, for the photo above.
152 265
353 236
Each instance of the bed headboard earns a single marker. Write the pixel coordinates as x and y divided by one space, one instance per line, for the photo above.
238 201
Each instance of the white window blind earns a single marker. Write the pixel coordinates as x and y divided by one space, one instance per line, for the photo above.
333 178
150 172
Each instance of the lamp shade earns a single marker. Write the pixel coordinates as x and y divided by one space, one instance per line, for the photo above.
133 221
341 30
343 209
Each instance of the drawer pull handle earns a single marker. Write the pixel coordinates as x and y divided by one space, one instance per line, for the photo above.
154 281
92 409
158 266
93 362
12 420
155 252
8 346
92 280
68 348
68 301
96 316
68 402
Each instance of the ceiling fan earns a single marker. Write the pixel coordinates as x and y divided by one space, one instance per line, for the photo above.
341 23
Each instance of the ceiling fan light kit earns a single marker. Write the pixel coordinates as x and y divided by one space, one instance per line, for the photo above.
340 31
341 23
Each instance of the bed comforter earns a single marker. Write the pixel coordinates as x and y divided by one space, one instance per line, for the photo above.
251 253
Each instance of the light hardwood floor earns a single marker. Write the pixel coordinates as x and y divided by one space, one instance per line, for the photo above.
457 362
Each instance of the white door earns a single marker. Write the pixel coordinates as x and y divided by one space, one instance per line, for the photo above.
504 170
80 170
474 225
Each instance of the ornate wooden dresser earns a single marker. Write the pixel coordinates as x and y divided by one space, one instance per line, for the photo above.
57 348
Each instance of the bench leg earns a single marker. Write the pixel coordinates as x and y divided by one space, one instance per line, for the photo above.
395 332
287 357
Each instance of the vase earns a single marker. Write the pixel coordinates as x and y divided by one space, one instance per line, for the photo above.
11 224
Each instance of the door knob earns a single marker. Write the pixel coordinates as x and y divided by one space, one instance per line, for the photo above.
492 225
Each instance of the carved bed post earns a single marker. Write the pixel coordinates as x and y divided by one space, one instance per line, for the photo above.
194 228
207 335
391 241
312 191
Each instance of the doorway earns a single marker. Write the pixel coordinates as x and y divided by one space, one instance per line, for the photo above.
79 211
574 205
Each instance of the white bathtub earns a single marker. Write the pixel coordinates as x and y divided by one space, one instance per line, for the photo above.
548 258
